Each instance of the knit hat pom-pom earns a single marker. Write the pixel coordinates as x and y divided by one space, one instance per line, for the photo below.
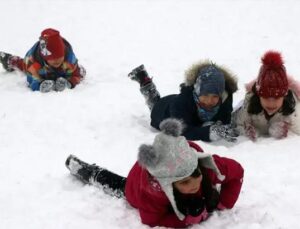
147 156
171 126
272 59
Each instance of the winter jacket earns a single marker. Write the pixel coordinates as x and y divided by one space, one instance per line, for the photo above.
240 117
182 106
143 192
37 70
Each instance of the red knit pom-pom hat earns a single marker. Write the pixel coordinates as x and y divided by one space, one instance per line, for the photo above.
51 44
272 78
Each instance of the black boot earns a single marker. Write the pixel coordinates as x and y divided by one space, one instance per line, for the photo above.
4 59
140 75
82 170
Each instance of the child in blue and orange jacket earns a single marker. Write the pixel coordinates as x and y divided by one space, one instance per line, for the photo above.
173 183
49 65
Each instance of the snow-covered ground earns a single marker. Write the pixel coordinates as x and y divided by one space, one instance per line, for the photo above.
104 119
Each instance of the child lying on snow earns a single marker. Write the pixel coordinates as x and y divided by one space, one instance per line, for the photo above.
271 105
49 65
204 103
173 182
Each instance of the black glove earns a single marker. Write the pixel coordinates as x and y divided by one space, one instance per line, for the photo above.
189 205
218 131
212 200
61 84
47 85
195 206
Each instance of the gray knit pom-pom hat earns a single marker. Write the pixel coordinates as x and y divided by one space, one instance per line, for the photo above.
170 158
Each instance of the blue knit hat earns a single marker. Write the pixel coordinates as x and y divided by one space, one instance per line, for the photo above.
210 80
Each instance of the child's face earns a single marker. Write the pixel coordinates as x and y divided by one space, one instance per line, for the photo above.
55 63
188 185
208 101
271 105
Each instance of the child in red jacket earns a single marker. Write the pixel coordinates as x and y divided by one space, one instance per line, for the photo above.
173 183
49 65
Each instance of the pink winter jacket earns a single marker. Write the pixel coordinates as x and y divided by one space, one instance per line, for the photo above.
143 192
241 118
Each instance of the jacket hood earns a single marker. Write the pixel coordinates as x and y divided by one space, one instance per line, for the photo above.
191 75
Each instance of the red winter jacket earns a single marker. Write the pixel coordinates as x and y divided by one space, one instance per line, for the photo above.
143 192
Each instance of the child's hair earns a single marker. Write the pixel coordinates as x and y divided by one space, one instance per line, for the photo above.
197 172
255 107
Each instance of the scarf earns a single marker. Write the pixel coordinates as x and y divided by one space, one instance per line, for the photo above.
204 114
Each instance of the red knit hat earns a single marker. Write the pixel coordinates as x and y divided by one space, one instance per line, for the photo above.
272 78
51 44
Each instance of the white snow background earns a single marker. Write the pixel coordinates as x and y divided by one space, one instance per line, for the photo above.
104 119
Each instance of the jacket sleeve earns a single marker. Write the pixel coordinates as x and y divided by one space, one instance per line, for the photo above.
240 116
75 78
224 114
32 68
166 220
295 118
197 133
73 70
157 211
33 78
231 185
182 109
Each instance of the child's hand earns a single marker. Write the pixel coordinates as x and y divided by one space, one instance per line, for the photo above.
279 129
221 206
250 131
61 84
197 219
47 85
218 131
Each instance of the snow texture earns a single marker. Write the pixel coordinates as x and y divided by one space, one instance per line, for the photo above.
104 120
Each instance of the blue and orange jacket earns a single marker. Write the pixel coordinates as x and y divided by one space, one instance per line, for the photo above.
37 69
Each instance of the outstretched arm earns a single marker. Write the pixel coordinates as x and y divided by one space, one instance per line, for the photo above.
74 73
231 185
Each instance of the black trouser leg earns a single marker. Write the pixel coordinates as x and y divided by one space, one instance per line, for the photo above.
111 182
93 174
150 93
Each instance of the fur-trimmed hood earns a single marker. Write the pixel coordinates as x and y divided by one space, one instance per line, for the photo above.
191 75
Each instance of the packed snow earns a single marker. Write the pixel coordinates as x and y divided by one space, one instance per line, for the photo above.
104 119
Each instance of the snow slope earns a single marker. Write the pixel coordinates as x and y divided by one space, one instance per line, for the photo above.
104 119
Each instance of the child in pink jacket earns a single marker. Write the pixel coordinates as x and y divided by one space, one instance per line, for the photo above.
272 104
173 183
